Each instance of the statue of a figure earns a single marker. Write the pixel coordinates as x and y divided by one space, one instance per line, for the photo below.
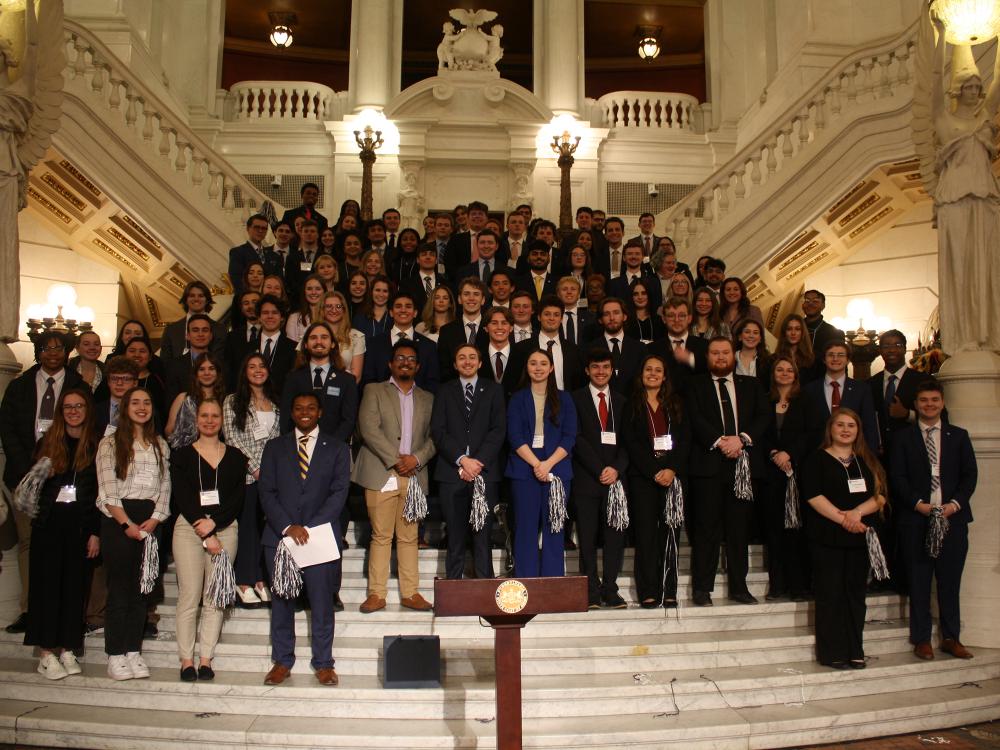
446 58
955 141
470 48
410 201
29 114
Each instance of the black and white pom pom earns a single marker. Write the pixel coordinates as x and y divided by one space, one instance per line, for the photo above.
29 489
793 519
936 531
673 508
220 590
617 507
287 580
149 569
742 486
557 504
415 505
876 558
479 509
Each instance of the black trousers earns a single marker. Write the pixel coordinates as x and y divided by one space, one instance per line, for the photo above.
788 556
655 574
456 501
840 578
125 615
947 569
591 525
717 514
249 563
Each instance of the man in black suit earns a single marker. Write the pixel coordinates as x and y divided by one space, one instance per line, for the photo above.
252 250
375 239
565 356
522 308
715 274
545 232
310 196
685 355
487 245
467 328
336 388
501 287
538 281
426 280
836 389
634 269
584 223
496 352
444 226
608 260
729 414
390 220
646 239
276 256
26 413
200 340
243 338
196 298
300 262
600 459
934 466
516 237
461 249
379 354
122 374
821 332
277 349
626 353
469 426
578 322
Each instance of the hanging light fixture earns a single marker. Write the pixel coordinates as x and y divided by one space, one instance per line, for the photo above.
968 21
281 29
649 42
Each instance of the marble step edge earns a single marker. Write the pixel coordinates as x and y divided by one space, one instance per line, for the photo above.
793 725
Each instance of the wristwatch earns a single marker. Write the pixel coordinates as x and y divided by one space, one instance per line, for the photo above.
125 525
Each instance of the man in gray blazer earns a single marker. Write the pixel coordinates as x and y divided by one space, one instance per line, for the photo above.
395 426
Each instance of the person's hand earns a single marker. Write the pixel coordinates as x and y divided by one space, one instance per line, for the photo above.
949 509
730 446
298 534
149 525
542 471
93 546
255 474
406 465
924 509
852 522
609 476
133 532
664 477
203 527
783 461
471 466
682 355
213 545
897 410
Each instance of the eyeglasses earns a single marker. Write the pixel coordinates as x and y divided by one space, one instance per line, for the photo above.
405 358
813 300
74 407
57 348
121 379
892 346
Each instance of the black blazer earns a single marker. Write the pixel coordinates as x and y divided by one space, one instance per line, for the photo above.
629 362
856 395
173 341
376 369
584 322
415 286
793 428
681 374
590 455
621 288
295 277
459 252
643 462
487 369
472 269
292 213
237 348
911 472
824 332
753 415
906 392
339 399
240 257
573 376
17 421
481 437
451 336
282 361
525 283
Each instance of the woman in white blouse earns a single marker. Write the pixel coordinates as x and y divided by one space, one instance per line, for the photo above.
438 312
351 341
310 309
133 483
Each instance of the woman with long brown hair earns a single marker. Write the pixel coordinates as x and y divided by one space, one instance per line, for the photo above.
794 342
207 381
706 322
64 533
310 308
133 493
350 341
439 310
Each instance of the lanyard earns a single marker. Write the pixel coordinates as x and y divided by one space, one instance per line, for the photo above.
652 425
215 486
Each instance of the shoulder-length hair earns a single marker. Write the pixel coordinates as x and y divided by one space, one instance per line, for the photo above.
246 275
53 442
650 310
427 315
119 347
802 352
762 352
307 312
342 330
124 437
551 389
244 393
665 396
302 359
742 305
368 306
714 317
218 388
793 392
860 449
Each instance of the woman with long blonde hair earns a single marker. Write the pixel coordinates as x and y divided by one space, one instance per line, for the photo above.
350 341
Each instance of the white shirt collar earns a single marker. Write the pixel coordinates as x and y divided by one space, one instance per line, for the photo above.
394 333
476 320
312 435
898 373
466 381
493 350
594 391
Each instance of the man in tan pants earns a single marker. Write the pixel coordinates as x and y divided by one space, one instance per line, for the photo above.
394 421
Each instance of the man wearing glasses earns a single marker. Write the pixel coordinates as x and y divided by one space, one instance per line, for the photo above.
820 332
26 413
834 390
123 374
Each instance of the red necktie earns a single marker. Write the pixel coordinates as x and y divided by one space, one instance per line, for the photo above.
602 412
309 213
835 396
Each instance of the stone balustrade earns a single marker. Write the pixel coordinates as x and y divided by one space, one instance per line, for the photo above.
650 110
286 101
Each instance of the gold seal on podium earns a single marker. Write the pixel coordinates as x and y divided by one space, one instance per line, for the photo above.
511 596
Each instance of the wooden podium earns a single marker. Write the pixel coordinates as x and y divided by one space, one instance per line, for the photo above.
507 604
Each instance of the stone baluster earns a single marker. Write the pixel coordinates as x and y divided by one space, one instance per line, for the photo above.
180 160
197 168
115 94
213 183
803 120
165 131
835 95
707 207
80 62
884 62
755 174
130 113
867 73
737 175
254 103
723 188
852 85
675 229
97 74
820 107
786 141
147 127
228 195
903 58
692 224
241 104
772 155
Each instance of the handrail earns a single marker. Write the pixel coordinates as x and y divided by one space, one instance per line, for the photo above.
650 110
145 113
290 101
872 73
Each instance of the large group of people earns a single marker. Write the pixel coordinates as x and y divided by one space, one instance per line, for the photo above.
607 392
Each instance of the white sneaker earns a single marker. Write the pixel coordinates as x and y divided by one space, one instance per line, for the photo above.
118 668
136 664
247 597
50 668
69 662
262 593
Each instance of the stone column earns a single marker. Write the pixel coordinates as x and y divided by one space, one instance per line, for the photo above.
972 392
375 52
558 54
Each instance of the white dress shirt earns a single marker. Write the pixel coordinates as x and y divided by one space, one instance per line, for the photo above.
504 358
828 389
522 334
683 338
557 355
396 330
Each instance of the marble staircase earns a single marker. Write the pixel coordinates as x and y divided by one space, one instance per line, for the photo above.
730 676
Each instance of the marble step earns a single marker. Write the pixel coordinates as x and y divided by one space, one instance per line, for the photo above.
549 696
581 655
799 723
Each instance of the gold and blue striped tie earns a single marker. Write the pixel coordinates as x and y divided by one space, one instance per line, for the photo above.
303 457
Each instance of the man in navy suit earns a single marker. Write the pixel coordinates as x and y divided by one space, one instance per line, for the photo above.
578 322
423 283
495 354
460 245
310 196
467 328
634 269
836 389
277 349
468 426
402 311
934 465
252 250
304 476
487 245
538 281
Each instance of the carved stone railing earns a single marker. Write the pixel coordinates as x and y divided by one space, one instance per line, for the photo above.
651 110
279 101
867 84
167 142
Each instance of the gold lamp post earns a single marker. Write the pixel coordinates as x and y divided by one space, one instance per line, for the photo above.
368 146
565 146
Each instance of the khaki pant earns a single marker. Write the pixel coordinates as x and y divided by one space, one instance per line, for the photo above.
385 511
194 568
22 522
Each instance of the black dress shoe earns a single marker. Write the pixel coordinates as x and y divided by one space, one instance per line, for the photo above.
839 665
188 674
649 604
150 630
206 673
614 601
799 596
338 606
774 595
594 602
743 598
19 625
702 599
857 663
670 603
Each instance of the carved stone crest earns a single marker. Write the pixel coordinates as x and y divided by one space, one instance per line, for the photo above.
468 47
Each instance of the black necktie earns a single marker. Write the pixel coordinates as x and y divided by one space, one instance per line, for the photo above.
499 366
268 352
728 416
552 342
254 337
570 328
48 408
890 390
318 378
616 351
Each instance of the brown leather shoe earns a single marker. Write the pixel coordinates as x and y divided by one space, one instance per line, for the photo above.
956 649
278 674
373 603
416 602
327 676
923 651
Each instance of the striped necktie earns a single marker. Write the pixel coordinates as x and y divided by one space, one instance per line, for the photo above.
468 402
303 457
932 456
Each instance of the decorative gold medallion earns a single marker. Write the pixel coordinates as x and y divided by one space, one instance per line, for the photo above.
511 596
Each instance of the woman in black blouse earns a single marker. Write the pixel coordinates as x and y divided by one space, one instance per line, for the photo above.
844 485
658 440
209 481
63 533
645 323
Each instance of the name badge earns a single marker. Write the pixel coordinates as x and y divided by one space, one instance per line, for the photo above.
305 266
609 438
538 441
144 480
259 431
333 390
935 470
663 443
67 494
210 497
109 430
390 484
42 426
856 485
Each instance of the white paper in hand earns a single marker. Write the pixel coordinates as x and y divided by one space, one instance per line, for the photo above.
322 547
